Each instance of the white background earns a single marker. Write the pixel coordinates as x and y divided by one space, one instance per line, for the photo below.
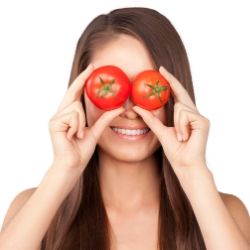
37 44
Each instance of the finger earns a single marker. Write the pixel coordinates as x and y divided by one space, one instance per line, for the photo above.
104 120
179 92
152 121
76 106
178 107
75 90
82 124
183 124
191 122
72 120
65 123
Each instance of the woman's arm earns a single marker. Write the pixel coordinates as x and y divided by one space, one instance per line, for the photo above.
224 222
185 148
26 229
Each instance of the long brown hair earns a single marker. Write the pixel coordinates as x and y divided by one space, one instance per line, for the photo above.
81 221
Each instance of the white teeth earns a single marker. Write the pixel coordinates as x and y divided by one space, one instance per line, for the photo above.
130 131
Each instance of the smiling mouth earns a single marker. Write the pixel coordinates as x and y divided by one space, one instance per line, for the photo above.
130 132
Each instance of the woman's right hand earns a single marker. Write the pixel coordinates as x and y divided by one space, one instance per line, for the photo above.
73 142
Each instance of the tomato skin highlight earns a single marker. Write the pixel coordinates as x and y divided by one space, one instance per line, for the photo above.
108 87
150 90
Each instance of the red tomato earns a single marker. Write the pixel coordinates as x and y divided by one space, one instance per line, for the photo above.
150 90
108 87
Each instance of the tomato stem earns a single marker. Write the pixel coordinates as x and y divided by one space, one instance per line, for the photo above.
156 89
106 87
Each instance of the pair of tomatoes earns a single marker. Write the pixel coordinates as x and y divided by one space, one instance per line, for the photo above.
108 87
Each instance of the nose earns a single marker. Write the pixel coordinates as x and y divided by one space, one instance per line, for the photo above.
129 112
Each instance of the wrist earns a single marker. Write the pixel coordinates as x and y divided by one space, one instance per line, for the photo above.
193 178
61 178
60 169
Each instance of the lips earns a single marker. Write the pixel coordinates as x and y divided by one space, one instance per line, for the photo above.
130 127
130 134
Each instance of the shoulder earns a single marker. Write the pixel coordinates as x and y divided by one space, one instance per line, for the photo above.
17 204
238 211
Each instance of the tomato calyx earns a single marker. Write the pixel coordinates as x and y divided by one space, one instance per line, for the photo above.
156 90
106 88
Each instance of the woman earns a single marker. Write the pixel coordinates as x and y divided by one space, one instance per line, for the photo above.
107 192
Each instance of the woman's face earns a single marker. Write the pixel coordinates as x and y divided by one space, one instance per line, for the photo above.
132 57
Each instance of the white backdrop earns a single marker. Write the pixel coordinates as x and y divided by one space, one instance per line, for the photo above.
37 44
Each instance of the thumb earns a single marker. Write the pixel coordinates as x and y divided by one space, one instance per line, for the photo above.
166 135
152 121
104 120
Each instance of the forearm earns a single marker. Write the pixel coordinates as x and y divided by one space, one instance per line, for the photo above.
27 229
218 228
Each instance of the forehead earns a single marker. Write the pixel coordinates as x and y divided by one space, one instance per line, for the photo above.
126 52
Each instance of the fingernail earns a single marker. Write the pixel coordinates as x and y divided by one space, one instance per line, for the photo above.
122 109
91 66
179 137
162 68
135 107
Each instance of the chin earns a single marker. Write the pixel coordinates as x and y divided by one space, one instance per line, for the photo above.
128 154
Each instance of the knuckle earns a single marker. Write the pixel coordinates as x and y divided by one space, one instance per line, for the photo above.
75 117
74 113
152 119
79 108
181 113
206 121
79 104
70 108
51 121
151 116
177 105
51 124
72 95
76 104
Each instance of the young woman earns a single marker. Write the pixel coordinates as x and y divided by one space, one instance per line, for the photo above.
149 192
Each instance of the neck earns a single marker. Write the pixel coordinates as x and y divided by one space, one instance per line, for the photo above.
128 186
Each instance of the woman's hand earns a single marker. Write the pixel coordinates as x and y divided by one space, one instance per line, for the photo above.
73 142
188 122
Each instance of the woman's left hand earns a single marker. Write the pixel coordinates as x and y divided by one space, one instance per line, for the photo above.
194 128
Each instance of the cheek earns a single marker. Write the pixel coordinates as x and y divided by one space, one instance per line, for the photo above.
160 114
92 112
